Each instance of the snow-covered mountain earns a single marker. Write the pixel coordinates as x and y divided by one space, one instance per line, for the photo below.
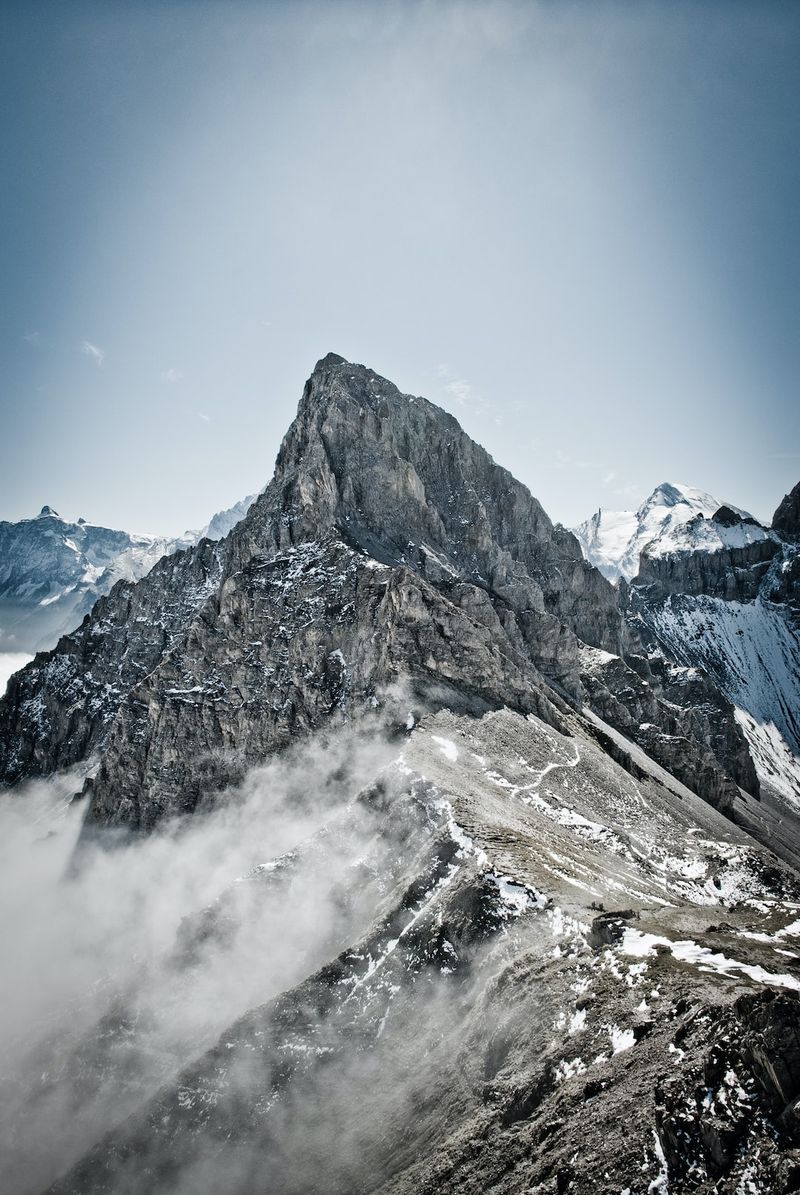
52 571
712 589
674 518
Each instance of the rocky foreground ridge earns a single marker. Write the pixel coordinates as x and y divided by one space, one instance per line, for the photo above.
539 936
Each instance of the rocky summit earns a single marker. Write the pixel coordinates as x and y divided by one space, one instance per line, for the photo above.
423 857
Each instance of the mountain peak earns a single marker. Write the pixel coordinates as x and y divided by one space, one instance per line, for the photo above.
786 520
329 360
675 517
671 494
47 512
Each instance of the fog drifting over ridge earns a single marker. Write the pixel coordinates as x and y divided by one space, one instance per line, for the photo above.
119 971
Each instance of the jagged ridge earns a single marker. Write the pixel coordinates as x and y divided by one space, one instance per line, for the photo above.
388 546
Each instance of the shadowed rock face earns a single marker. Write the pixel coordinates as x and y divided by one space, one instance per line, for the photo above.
786 520
388 548
733 574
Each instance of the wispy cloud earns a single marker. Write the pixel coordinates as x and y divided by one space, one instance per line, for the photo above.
459 389
464 393
94 351
205 418
32 337
609 477
171 375
629 490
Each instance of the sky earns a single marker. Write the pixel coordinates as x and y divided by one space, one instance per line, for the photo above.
574 225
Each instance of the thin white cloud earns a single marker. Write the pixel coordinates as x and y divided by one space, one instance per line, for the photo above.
609 477
94 351
205 418
32 337
171 375
464 393
459 389
629 490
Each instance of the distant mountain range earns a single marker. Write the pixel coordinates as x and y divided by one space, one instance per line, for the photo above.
52 571
674 518
704 583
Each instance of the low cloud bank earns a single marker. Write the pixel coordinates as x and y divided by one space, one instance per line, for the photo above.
114 978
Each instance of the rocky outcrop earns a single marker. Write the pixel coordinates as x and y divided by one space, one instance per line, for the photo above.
744 1091
732 574
786 520
671 718
58 709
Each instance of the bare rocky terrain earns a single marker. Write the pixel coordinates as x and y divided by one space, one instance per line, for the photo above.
484 886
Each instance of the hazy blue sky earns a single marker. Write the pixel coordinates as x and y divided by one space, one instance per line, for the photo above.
575 225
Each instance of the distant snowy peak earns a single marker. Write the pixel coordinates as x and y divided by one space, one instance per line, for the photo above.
225 520
675 518
52 571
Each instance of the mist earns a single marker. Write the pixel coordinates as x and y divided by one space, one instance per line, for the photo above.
118 971
123 965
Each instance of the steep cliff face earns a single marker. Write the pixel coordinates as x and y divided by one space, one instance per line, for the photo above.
58 709
725 572
388 549
786 520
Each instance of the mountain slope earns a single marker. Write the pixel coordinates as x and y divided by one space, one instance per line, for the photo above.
731 613
479 1025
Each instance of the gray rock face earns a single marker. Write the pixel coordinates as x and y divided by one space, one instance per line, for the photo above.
290 643
732 574
388 549
680 719
786 520
58 709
